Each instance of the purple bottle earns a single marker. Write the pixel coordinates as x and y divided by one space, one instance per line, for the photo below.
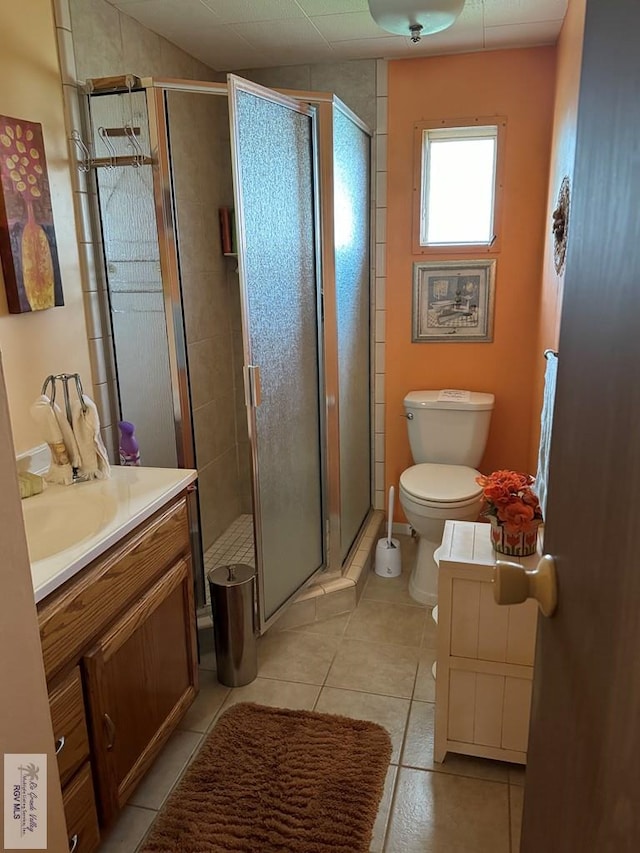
129 450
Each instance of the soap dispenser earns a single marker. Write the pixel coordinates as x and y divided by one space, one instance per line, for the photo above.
129 449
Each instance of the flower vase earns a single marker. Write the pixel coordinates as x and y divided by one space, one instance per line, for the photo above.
519 543
37 265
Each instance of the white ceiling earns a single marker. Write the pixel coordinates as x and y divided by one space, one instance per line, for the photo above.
232 34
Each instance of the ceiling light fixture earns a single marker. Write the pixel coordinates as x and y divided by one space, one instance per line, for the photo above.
415 18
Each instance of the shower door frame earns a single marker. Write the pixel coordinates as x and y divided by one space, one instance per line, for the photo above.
172 290
324 104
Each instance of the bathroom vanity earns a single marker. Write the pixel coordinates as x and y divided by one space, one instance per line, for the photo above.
118 642
485 652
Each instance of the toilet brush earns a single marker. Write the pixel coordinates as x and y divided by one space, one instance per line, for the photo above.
388 563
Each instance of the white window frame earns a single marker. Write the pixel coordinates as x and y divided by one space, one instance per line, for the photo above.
479 127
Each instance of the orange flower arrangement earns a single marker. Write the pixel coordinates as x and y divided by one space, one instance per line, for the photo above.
510 500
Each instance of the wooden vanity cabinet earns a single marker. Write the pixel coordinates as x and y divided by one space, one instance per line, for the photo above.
119 647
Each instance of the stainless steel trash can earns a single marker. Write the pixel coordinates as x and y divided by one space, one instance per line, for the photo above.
232 603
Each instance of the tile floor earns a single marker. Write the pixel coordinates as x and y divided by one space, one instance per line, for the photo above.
375 664
234 546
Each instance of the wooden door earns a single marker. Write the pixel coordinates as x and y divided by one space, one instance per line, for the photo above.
141 677
583 776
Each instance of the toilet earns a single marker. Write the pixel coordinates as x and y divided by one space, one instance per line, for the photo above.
448 432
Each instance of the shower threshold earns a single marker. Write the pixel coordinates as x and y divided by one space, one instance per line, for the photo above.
328 594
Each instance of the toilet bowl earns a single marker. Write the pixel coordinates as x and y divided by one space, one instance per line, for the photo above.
430 494
448 433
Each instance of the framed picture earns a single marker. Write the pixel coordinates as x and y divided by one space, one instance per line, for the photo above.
28 249
453 301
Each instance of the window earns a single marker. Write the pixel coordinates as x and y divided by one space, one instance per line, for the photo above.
458 184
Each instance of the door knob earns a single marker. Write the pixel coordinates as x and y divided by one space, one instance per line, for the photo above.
513 584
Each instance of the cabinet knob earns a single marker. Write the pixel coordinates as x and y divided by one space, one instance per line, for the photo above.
110 726
59 744
513 584
73 842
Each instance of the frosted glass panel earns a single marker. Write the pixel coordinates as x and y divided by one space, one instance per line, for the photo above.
351 159
140 337
130 238
275 196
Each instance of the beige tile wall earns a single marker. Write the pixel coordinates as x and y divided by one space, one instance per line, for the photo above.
380 278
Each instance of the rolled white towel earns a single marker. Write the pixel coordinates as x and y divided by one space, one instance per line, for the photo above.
59 436
546 428
94 461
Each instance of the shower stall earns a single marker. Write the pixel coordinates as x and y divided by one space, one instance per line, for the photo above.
235 226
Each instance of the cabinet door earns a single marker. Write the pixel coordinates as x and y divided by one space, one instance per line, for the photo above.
141 677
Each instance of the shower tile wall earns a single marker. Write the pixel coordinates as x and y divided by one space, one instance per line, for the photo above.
354 82
96 40
107 41
199 137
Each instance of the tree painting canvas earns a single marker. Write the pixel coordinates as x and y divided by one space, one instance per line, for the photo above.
28 248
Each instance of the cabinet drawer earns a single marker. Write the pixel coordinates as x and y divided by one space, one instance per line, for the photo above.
489 710
69 725
482 630
80 812
70 619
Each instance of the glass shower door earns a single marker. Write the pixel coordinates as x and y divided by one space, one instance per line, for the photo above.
272 141
351 176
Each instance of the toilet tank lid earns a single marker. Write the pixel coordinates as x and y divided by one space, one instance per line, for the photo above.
449 398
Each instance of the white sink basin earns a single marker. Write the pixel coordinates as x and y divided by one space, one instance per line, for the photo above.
59 519
70 526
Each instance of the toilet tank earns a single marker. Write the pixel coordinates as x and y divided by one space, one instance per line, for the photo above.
449 427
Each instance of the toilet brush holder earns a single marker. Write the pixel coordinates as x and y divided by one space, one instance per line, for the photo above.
388 562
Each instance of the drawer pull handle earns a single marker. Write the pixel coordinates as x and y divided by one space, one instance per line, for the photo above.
59 745
111 731
73 842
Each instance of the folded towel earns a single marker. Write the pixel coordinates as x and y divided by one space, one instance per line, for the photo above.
56 431
94 461
546 425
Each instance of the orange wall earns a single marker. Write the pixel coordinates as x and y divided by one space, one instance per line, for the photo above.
518 84
563 146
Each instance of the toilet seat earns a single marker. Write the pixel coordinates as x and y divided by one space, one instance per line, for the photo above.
434 485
